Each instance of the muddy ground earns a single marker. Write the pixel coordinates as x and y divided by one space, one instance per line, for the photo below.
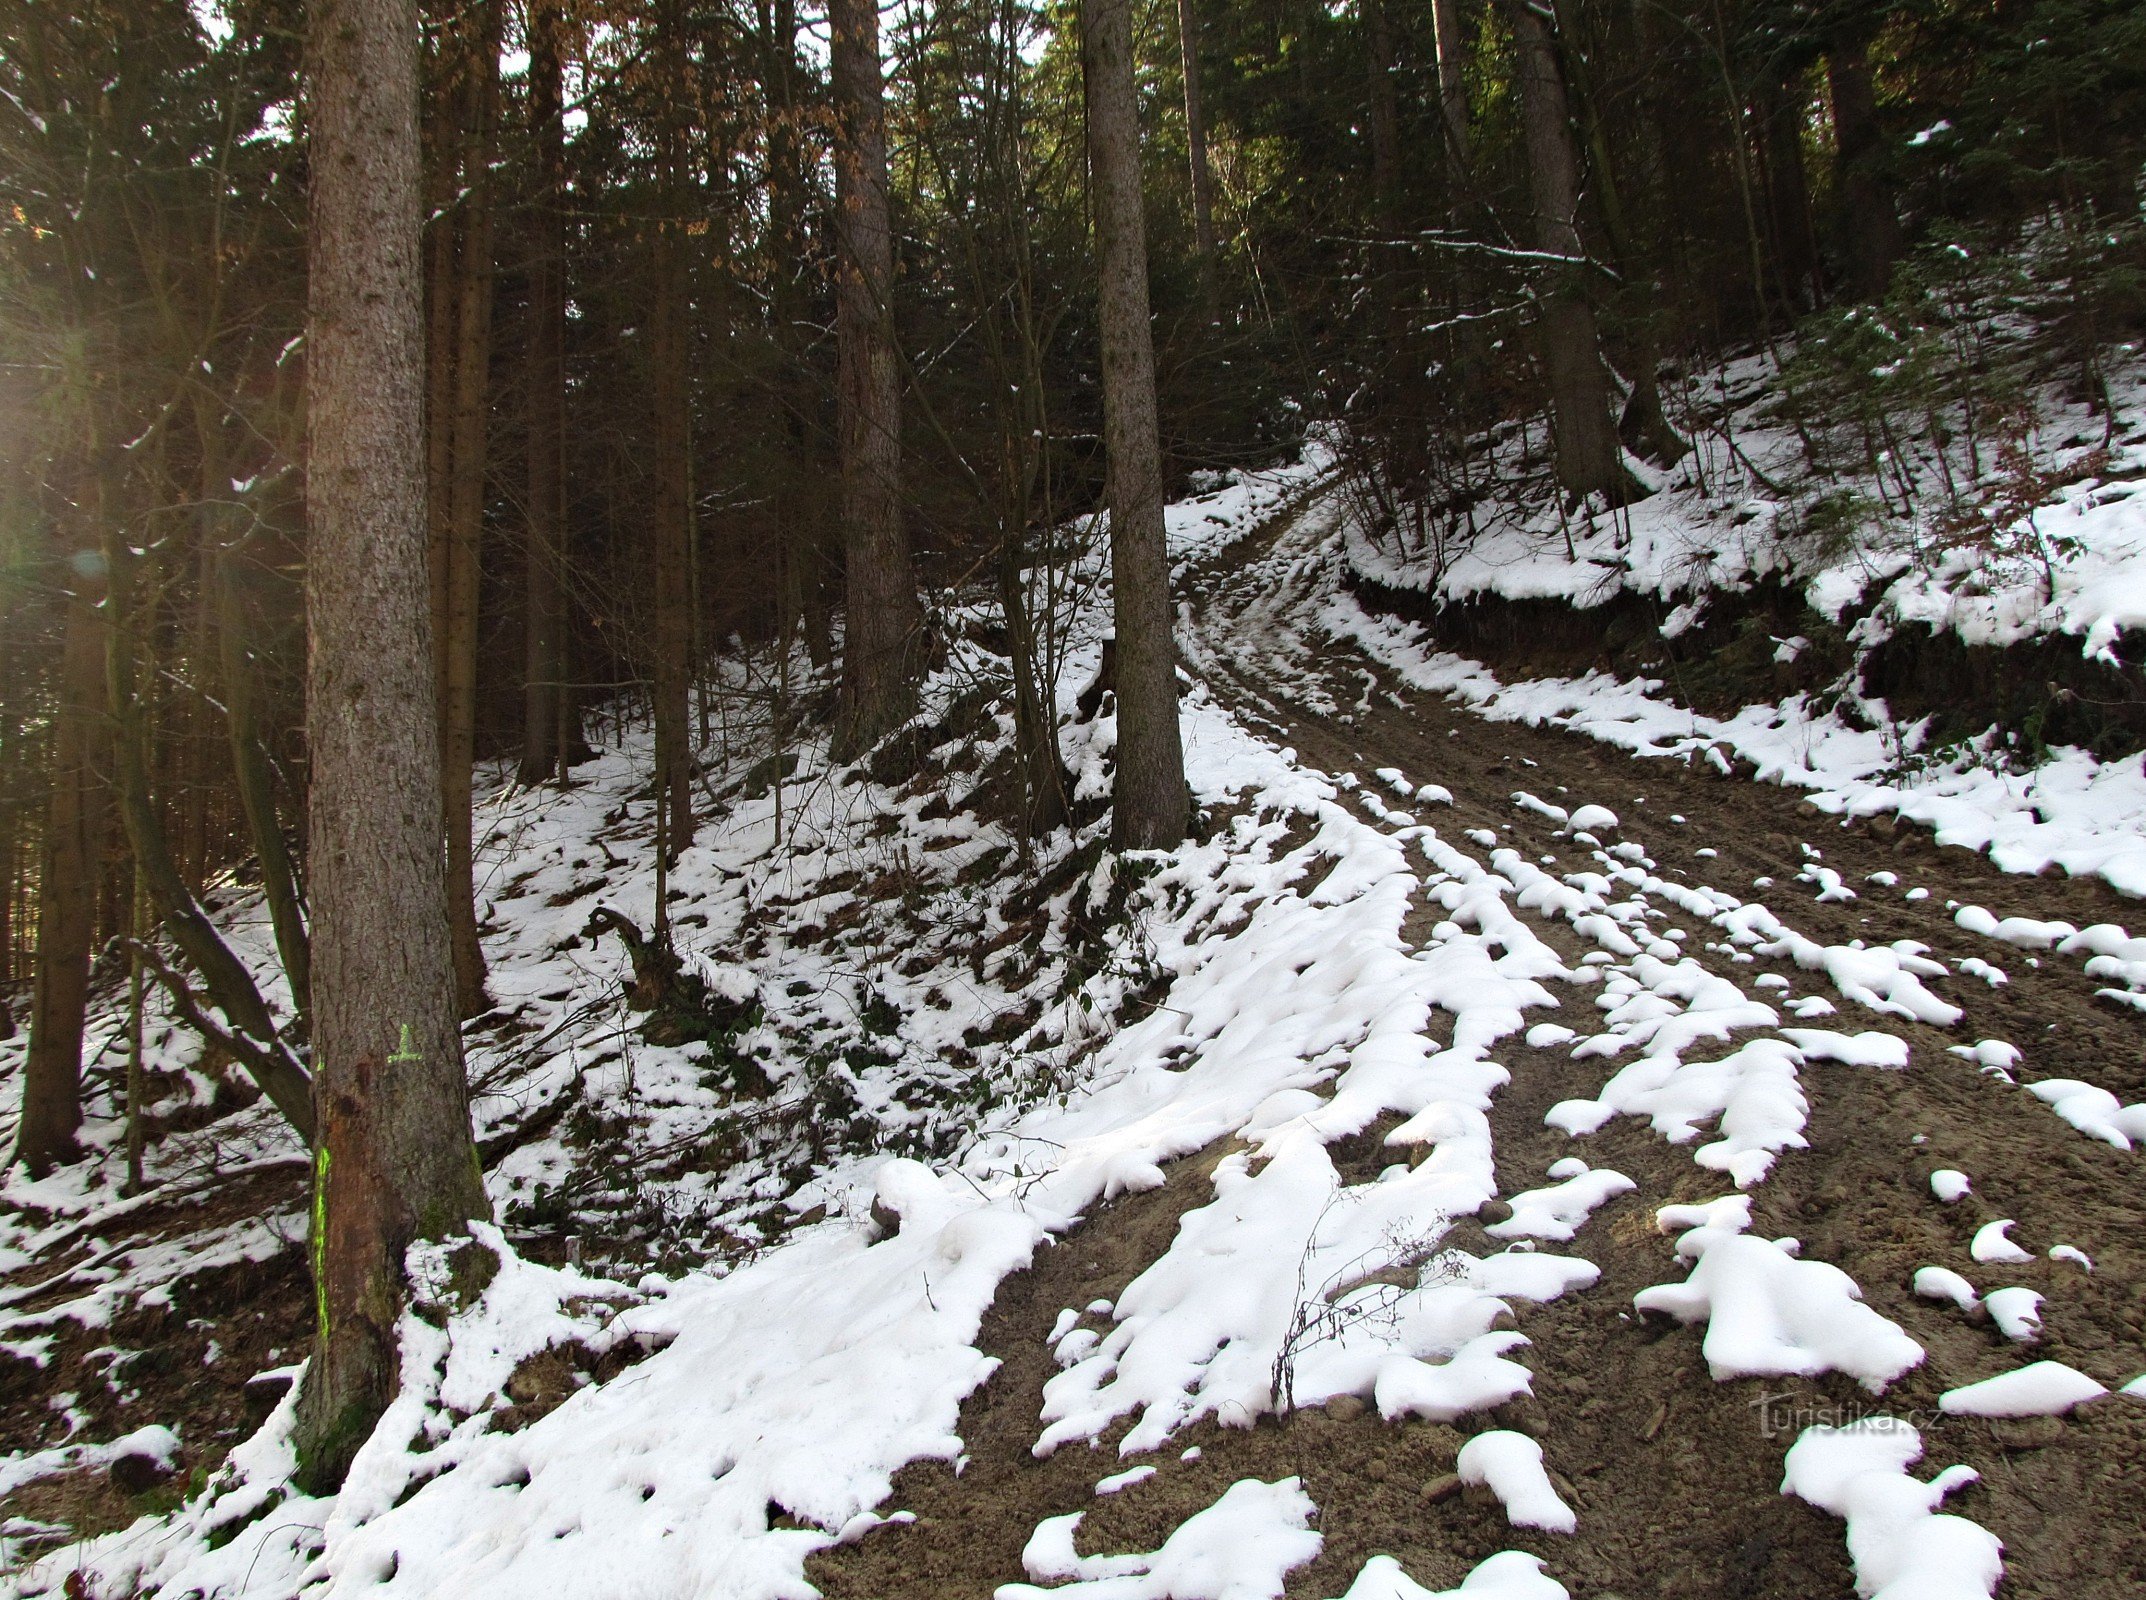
1676 1478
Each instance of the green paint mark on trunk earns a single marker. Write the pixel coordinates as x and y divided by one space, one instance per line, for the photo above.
320 1245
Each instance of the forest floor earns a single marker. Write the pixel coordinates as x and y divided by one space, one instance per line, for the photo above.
1470 1030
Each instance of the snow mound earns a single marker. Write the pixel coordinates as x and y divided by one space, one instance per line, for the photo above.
1508 1575
2017 1313
1510 1466
1769 1314
1557 1211
2093 1111
1240 1548
1942 1283
1903 1547
1990 1244
2040 1389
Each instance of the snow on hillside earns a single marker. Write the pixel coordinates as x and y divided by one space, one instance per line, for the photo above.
926 1074
2072 566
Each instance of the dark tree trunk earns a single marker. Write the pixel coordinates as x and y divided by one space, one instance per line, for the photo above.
257 789
1203 188
1385 113
1788 192
883 655
1149 798
394 1159
1589 457
1452 94
75 816
1862 177
543 619
672 400
465 507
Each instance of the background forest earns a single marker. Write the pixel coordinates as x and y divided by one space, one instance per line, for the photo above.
1406 226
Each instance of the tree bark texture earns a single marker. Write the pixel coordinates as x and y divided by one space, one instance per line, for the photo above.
1589 457
75 816
882 656
1203 189
394 1160
1452 93
1788 192
1150 805
671 395
1379 65
543 609
465 506
1863 186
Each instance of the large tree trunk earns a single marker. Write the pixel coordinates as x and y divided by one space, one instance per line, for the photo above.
465 509
882 656
543 619
1781 111
1203 189
1589 458
669 326
75 815
1862 178
1379 62
1452 94
1149 799
394 1160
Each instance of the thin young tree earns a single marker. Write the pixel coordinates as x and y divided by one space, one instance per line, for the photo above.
882 655
1150 804
1203 188
543 611
466 476
671 436
394 1160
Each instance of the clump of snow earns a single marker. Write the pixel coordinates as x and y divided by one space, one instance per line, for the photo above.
1991 1243
2016 1312
1558 1211
1942 1283
1868 1049
1949 1184
2039 1389
1508 1575
1510 1466
156 1442
1240 1548
1769 1314
1903 1547
2093 1111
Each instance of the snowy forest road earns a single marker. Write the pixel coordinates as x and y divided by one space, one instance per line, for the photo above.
1678 1479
